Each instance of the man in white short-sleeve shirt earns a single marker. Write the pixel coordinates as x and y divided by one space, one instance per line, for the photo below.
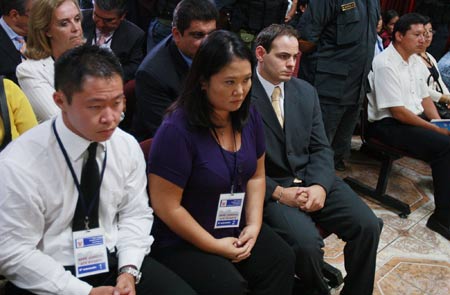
400 108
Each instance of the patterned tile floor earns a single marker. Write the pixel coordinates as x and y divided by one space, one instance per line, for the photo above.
411 258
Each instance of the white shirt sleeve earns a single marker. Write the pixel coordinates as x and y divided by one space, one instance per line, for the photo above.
387 86
21 228
135 216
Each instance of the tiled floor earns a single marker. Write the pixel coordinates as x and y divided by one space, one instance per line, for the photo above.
411 258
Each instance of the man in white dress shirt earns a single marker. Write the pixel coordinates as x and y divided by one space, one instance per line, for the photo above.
400 108
54 237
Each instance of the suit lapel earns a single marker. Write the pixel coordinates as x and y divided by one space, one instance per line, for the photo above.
181 67
265 108
290 106
117 41
8 46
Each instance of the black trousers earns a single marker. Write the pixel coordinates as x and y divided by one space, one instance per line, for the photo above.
344 214
425 145
268 270
156 279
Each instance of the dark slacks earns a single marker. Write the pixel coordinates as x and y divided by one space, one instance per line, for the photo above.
268 270
344 214
340 122
156 279
426 145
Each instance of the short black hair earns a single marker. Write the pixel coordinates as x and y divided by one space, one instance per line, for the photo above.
190 10
76 64
405 21
267 35
215 52
109 5
7 5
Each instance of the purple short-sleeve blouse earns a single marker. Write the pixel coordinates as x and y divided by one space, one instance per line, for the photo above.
191 158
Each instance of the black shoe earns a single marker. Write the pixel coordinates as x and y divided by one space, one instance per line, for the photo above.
340 165
437 226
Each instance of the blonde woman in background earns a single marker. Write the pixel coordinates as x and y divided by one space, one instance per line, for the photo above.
54 27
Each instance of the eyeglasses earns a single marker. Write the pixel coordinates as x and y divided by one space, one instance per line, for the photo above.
429 33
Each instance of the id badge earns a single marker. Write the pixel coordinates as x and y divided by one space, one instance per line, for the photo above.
89 249
229 210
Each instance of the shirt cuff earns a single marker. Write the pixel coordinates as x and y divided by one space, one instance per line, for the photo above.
131 257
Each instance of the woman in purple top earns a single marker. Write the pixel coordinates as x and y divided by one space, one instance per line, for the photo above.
209 151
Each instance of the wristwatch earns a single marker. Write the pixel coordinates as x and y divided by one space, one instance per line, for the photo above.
132 271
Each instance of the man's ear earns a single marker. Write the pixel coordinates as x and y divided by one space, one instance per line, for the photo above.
13 13
59 99
259 53
398 36
176 34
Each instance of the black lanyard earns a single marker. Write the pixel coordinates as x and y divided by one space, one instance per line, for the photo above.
87 211
232 172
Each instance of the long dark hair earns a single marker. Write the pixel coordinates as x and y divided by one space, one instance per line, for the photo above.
215 52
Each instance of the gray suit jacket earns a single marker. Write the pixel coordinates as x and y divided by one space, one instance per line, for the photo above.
301 150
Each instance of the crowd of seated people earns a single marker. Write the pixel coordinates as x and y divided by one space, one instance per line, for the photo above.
240 146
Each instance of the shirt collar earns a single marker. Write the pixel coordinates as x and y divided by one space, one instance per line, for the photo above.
268 87
11 34
187 59
397 58
74 144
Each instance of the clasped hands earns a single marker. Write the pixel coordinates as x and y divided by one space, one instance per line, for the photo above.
308 199
238 249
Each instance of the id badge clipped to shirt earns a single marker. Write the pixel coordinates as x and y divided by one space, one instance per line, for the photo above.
229 210
89 248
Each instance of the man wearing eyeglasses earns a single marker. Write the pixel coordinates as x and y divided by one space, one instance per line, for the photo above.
13 30
160 77
105 25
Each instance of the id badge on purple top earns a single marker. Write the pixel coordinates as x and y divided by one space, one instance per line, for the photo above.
229 210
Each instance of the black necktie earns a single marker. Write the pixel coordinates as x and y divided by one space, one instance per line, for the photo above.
89 189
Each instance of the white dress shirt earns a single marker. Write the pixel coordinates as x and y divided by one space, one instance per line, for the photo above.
395 82
433 85
36 78
269 87
38 200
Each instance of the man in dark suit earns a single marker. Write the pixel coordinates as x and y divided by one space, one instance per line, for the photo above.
160 77
301 187
105 25
13 30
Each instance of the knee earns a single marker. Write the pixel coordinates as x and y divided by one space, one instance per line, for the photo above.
370 227
309 247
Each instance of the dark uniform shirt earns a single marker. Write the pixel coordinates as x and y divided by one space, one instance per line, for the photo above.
345 34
